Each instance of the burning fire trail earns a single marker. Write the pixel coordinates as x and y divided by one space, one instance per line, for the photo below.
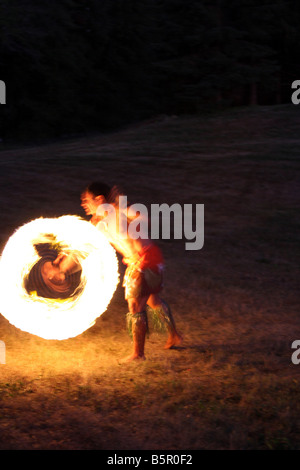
87 292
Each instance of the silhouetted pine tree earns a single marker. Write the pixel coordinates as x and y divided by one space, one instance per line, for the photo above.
44 57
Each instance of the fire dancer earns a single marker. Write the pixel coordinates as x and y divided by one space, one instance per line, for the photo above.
143 278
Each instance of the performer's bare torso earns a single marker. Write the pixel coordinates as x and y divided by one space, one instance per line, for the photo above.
119 238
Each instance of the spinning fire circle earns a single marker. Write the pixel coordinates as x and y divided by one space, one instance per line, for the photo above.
37 297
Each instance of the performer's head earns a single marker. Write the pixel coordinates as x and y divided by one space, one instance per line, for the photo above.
99 189
98 193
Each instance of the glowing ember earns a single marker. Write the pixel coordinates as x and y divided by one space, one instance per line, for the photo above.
57 318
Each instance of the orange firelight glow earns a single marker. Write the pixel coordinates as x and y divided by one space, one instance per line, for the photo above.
57 318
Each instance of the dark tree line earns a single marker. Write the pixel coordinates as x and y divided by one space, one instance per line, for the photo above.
81 65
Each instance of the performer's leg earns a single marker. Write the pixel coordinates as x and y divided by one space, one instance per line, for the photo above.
164 315
137 320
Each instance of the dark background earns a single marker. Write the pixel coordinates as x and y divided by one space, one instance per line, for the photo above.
78 66
178 102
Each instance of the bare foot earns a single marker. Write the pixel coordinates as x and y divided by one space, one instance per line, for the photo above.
132 357
173 340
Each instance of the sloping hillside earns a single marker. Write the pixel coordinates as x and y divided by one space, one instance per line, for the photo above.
232 384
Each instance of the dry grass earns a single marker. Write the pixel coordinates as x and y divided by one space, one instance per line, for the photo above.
232 385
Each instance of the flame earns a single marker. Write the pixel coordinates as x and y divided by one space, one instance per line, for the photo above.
55 318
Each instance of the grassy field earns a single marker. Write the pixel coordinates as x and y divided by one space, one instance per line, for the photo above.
232 384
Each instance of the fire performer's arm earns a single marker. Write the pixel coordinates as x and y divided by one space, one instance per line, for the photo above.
67 263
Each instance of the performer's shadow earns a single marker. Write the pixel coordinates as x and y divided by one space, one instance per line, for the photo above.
200 348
